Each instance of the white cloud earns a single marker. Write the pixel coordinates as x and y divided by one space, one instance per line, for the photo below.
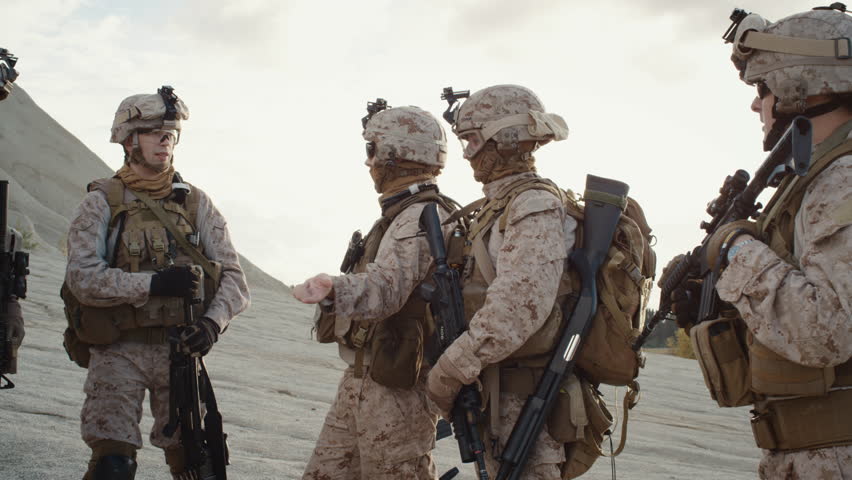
276 91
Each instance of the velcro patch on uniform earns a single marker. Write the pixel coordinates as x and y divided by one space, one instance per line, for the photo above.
842 215
530 202
82 223
407 229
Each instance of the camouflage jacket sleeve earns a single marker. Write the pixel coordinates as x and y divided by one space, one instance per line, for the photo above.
529 258
804 315
401 263
233 296
88 273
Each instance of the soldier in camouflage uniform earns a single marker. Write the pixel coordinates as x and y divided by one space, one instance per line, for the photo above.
126 267
381 425
789 275
11 309
518 255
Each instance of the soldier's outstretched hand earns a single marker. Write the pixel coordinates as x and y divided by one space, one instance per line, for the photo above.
314 289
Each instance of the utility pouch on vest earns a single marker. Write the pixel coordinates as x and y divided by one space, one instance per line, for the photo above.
582 453
324 326
77 350
719 347
804 422
396 352
772 374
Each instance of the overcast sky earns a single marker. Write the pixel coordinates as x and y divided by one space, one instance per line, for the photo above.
276 90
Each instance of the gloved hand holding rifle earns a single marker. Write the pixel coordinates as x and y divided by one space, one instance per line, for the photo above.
204 444
736 204
445 301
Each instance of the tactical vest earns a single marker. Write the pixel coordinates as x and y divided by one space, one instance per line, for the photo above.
817 415
392 348
795 407
139 242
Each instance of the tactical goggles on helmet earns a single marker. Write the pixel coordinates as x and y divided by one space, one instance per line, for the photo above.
540 125
159 135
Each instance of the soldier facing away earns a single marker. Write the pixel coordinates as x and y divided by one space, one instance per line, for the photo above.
381 424
789 274
129 274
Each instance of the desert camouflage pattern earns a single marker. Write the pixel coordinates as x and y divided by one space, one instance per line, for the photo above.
529 257
547 455
94 283
407 133
501 103
822 464
375 432
803 315
144 111
401 263
355 441
793 78
115 387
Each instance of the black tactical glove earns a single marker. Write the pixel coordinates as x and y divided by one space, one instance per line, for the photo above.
198 338
174 282
686 299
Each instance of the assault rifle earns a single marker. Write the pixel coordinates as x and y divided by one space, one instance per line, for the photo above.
605 200
205 447
737 201
445 303
13 281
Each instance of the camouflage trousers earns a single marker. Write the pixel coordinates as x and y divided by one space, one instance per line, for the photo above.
548 455
374 432
115 388
821 464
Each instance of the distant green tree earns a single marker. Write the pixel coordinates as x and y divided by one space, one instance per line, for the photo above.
664 330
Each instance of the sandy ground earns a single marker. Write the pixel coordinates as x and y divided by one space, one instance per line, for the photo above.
275 384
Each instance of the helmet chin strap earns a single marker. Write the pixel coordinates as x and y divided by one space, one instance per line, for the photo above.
783 120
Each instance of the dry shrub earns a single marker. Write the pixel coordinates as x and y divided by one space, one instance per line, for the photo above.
680 345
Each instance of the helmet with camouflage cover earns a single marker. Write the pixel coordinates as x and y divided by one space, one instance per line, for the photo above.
8 74
800 56
506 115
160 111
405 134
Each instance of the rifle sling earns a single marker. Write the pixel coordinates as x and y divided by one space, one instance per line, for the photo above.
184 244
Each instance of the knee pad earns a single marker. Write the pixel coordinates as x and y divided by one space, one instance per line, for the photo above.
115 467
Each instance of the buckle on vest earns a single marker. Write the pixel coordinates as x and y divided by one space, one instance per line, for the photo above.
360 337
158 245
193 239
134 249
